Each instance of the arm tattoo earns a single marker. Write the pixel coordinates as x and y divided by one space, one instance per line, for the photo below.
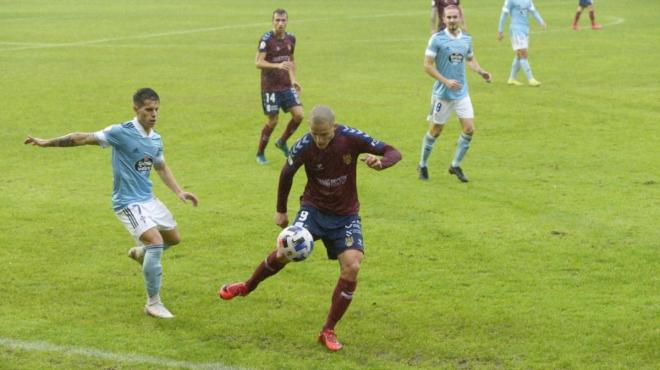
63 141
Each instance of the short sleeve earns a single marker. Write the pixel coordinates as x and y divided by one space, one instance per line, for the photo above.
431 48
109 136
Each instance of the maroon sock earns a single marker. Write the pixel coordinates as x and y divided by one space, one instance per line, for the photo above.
263 139
269 267
577 17
341 298
290 129
592 16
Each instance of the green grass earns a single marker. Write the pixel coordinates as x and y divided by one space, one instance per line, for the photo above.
548 258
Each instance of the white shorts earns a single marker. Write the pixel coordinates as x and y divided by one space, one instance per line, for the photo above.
519 41
442 109
140 217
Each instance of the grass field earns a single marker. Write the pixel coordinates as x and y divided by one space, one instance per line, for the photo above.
548 258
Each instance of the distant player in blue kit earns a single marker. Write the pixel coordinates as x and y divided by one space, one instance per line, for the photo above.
329 206
279 87
445 58
583 4
519 31
136 148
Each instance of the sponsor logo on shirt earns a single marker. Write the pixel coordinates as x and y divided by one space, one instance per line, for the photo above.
144 164
333 183
455 58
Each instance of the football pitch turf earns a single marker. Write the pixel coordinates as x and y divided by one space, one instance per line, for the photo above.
547 258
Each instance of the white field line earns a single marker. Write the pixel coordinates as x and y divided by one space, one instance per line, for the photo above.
111 356
181 32
102 43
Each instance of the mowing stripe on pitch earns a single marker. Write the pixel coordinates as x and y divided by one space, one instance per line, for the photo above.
105 355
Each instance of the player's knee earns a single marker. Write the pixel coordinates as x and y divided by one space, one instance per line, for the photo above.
469 131
173 241
351 269
298 117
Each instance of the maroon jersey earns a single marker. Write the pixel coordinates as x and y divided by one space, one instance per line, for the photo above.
331 181
277 51
440 5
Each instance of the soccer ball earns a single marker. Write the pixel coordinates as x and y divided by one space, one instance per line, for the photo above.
296 243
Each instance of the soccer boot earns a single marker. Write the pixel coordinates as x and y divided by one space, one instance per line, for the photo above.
137 254
261 159
158 310
534 83
281 145
514 82
329 340
596 26
423 172
229 291
459 173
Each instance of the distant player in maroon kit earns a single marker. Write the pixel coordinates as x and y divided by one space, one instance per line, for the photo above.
583 4
328 207
438 14
279 88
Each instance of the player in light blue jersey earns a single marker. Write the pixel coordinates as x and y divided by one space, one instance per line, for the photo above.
445 58
136 148
519 31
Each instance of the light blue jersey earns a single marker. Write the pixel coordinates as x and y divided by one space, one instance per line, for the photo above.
133 154
450 53
518 10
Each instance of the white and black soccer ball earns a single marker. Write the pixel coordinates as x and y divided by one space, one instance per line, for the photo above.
296 243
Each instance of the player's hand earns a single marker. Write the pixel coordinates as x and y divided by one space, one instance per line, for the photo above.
297 86
486 76
35 141
288 66
500 36
281 219
453 85
185 196
372 161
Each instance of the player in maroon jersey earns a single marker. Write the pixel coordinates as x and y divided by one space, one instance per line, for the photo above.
438 14
279 87
328 207
583 4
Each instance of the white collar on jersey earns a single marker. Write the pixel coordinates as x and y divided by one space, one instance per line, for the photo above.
460 33
139 127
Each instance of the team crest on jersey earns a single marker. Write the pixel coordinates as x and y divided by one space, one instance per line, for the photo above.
349 241
455 58
347 158
144 164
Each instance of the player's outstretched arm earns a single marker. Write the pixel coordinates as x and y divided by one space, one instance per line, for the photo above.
72 139
168 179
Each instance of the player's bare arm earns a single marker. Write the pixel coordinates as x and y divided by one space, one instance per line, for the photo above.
72 139
292 76
167 176
429 68
474 65
281 219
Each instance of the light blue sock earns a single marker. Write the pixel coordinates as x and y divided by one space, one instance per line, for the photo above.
427 147
462 147
515 67
524 64
152 269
